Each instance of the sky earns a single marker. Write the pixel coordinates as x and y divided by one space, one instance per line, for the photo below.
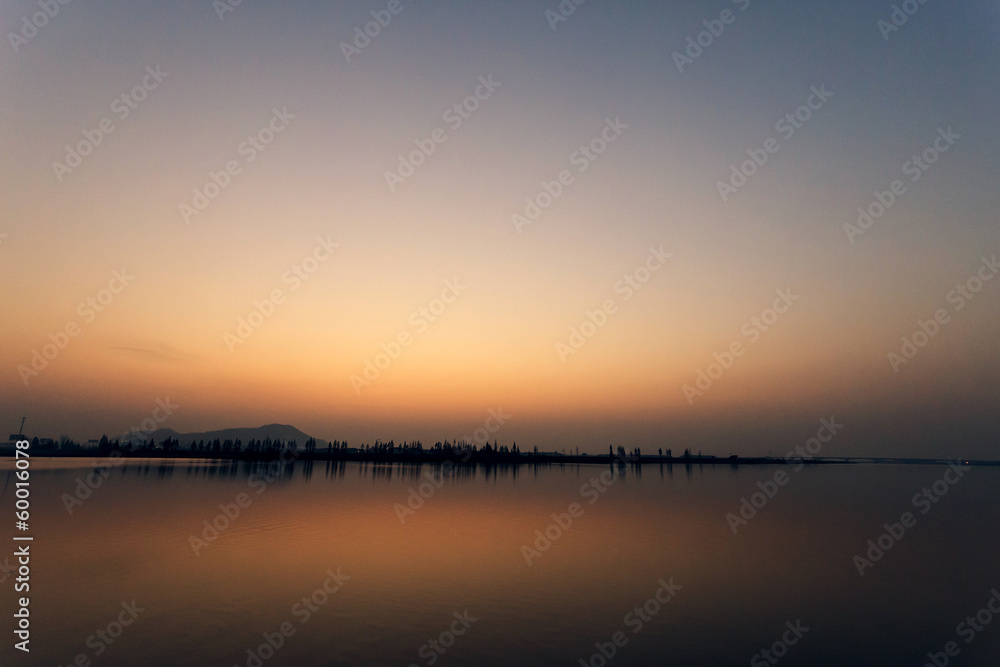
632 223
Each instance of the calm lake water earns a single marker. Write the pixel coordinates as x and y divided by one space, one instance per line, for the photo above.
327 554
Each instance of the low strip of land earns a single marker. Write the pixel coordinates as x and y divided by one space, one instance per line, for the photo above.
456 456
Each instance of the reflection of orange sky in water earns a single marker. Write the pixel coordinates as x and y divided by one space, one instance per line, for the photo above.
462 549
463 534
462 530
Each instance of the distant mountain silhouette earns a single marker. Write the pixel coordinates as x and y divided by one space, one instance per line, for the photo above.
282 432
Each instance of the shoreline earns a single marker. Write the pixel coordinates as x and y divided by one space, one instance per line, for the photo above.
480 458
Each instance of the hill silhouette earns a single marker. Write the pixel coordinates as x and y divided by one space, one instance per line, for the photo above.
280 432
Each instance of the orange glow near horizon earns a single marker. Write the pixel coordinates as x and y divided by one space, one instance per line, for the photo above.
357 266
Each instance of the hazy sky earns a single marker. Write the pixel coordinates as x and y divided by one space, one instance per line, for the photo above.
263 162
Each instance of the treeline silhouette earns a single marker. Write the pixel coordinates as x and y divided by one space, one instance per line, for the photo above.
458 451
273 448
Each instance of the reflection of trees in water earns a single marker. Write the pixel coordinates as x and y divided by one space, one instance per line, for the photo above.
384 471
